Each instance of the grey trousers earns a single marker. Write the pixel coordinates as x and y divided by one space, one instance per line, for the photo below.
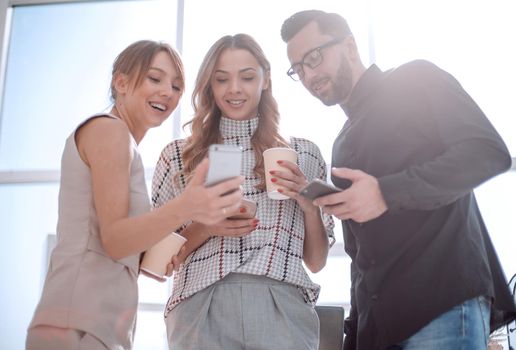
54 338
244 312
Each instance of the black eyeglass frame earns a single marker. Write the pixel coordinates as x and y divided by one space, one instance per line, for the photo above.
291 72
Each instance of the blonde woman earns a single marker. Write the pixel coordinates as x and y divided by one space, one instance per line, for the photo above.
90 296
242 283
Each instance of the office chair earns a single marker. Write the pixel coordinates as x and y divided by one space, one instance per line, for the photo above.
511 327
331 319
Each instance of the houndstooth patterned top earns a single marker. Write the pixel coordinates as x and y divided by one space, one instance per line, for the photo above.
274 249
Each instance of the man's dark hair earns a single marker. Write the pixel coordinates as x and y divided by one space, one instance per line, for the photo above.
329 23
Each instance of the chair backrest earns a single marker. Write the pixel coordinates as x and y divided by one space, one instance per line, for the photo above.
331 319
511 327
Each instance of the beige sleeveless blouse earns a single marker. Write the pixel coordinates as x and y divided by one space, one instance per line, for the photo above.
84 288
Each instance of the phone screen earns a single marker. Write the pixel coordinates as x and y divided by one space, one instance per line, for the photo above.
225 163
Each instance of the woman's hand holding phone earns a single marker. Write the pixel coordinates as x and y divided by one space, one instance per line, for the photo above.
247 210
210 205
292 180
226 228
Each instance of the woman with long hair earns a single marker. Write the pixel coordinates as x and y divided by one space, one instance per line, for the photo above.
241 283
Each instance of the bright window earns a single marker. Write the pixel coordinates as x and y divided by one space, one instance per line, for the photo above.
58 69
470 39
58 73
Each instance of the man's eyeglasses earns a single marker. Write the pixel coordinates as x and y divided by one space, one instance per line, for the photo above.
312 59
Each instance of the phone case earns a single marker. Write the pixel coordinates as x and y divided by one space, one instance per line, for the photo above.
225 163
318 188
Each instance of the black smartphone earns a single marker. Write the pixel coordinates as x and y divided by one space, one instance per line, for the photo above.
225 163
318 188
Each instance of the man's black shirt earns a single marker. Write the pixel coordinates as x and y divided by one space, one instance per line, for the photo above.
429 145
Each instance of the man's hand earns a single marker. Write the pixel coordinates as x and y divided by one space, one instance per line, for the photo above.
361 202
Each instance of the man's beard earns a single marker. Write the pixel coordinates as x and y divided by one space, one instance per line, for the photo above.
342 85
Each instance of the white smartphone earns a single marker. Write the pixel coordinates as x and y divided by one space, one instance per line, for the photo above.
225 163
318 188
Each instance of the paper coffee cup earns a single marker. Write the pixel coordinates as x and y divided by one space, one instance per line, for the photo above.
156 258
270 158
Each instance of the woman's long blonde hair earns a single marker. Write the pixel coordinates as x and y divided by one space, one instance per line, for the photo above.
205 123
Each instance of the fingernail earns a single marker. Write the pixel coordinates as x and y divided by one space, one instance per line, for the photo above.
272 172
279 161
255 222
243 209
274 179
280 190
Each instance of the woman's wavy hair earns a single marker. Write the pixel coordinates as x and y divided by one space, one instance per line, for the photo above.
205 123
136 59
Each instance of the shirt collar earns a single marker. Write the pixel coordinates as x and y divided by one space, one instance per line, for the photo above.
367 83
229 127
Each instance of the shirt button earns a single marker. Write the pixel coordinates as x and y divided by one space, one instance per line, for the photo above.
374 297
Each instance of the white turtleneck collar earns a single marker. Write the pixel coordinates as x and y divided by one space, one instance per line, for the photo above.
242 128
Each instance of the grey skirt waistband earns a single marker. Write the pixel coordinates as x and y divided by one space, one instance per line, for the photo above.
249 278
